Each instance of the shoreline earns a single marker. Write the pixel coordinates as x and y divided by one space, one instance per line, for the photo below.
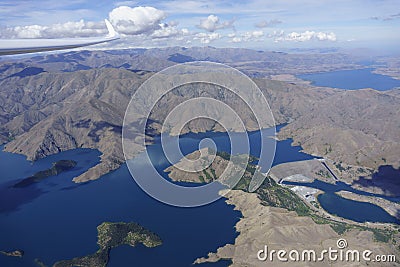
259 227
390 207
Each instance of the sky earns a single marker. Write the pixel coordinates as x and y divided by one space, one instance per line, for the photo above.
258 24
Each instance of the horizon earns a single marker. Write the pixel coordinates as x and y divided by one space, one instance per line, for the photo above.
308 24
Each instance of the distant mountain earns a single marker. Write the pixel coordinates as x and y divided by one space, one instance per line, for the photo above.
255 63
79 100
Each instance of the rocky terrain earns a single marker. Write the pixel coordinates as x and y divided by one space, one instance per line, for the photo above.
255 63
355 127
205 157
52 112
275 216
312 169
55 102
280 229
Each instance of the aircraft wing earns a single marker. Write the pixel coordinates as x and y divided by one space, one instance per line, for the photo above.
22 46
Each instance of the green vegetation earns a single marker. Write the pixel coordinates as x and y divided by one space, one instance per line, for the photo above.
10 137
338 227
323 173
315 204
272 194
251 168
111 235
207 176
278 196
213 173
201 178
243 185
227 156
380 235
328 148
57 168
360 170
224 155
339 166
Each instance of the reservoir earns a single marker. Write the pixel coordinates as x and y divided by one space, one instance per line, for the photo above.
56 219
352 79
349 209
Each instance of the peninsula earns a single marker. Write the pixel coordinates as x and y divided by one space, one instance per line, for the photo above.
57 168
283 217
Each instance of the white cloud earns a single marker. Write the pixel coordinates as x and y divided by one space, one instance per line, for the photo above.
236 40
270 23
257 34
306 36
61 30
212 23
276 34
139 26
136 20
206 38
167 31
31 31
247 37
140 21
322 36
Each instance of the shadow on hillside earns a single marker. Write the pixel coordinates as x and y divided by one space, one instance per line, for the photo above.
387 178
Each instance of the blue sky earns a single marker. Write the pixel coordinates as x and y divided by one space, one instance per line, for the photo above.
255 24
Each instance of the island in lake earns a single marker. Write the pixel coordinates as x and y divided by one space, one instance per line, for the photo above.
111 235
14 253
57 168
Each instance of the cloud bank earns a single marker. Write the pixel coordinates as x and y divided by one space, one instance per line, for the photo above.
212 23
206 38
304 36
62 30
146 26
253 36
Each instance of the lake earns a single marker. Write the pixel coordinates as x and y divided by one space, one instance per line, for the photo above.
352 79
350 209
56 219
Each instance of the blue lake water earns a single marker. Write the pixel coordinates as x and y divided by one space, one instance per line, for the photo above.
352 79
56 219
350 209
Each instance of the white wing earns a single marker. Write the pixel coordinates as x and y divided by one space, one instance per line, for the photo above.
22 46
